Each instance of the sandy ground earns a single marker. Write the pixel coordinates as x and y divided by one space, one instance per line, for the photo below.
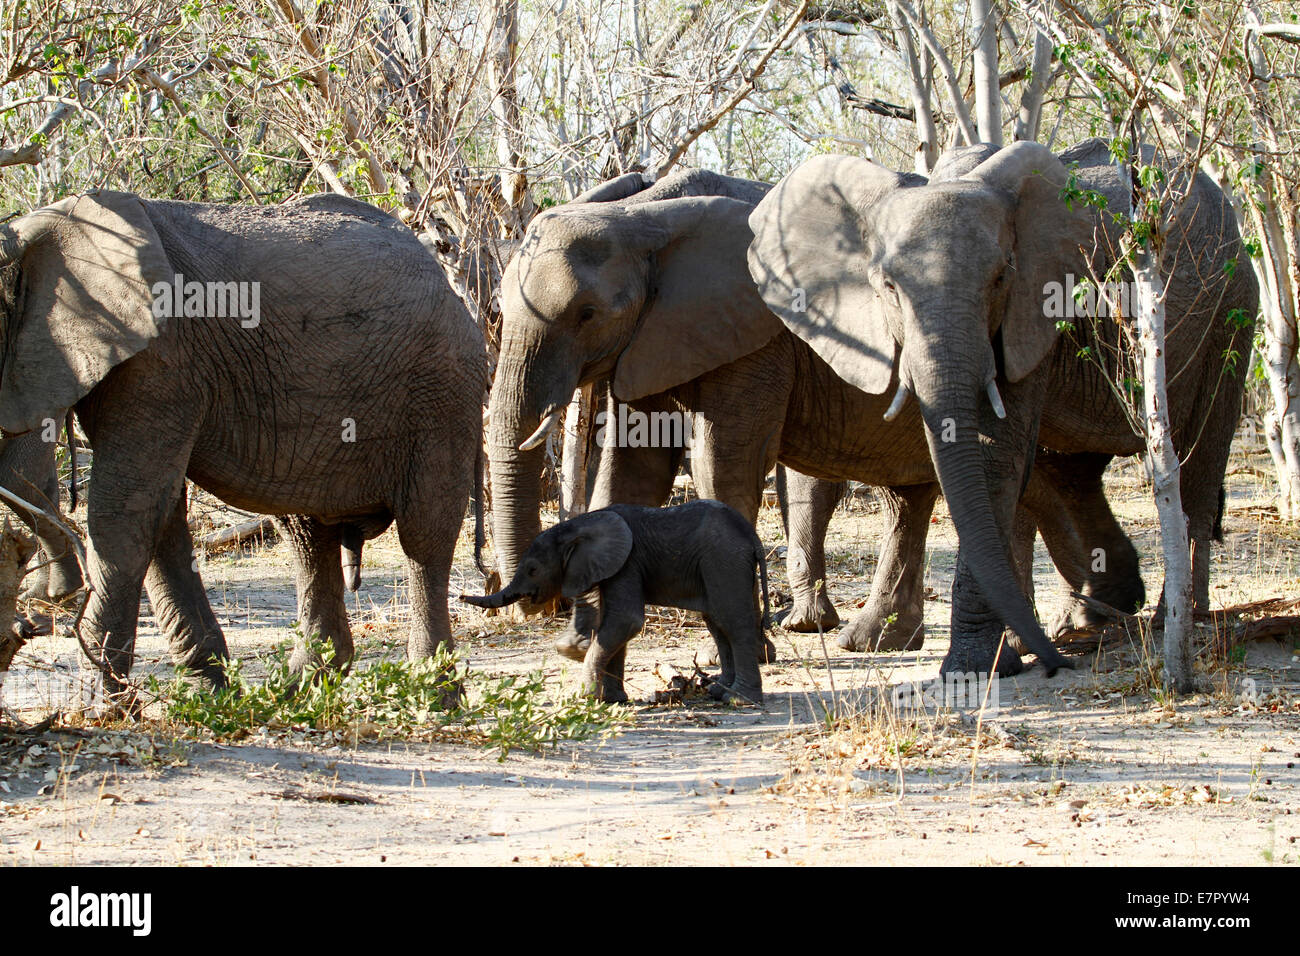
1089 767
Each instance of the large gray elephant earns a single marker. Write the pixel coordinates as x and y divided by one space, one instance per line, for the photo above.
939 293
649 287
312 361
27 469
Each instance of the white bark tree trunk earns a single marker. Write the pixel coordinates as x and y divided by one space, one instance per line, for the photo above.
927 137
984 56
573 455
505 111
1150 289
1031 101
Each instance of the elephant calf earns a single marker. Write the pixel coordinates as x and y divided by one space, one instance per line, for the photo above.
698 556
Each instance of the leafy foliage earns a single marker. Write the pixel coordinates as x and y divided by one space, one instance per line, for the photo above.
429 699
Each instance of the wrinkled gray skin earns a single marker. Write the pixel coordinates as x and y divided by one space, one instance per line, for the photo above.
27 469
699 556
655 293
356 323
941 287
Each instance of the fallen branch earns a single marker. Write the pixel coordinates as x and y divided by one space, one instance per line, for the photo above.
237 534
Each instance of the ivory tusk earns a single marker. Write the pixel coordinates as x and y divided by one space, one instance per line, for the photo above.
996 400
900 399
544 429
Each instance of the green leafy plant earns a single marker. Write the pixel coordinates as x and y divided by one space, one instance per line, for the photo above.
430 699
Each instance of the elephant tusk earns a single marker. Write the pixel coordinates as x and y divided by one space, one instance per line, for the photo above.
996 400
900 399
544 429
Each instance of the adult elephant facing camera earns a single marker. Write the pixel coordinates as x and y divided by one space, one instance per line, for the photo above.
938 293
650 287
351 397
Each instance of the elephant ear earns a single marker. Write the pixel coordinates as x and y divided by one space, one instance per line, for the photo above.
810 259
594 547
1050 239
89 265
703 311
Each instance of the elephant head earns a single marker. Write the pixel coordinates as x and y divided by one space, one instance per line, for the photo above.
649 294
77 301
570 559
938 290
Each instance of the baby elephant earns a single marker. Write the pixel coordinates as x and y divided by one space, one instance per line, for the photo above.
698 556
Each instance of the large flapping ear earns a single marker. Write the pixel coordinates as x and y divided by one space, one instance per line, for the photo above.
703 311
89 265
594 547
613 190
1049 239
810 259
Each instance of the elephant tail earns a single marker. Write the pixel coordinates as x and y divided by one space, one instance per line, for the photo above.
479 538
72 457
352 540
1216 534
760 555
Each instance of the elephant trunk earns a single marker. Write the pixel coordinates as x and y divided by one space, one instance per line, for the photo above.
522 397
507 595
950 390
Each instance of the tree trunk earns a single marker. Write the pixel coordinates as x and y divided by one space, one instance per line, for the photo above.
1031 102
505 110
984 55
573 461
1150 288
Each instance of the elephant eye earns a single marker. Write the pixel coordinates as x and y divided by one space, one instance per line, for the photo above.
587 314
891 288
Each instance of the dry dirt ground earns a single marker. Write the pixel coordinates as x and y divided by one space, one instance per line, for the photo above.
1090 767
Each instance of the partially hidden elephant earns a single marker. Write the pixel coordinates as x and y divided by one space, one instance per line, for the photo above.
303 360
27 469
939 295
700 556
649 287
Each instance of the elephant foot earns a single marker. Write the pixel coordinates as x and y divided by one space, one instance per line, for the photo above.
1076 614
706 655
573 645
977 658
868 632
741 697
804 616
606 695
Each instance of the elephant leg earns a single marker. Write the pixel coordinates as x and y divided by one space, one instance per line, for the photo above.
122 539
318 570
731 466
1200 482
627 476
428 527
807 506
726 655
602 671
1023 534
894 616
1089 548
180 603
738 637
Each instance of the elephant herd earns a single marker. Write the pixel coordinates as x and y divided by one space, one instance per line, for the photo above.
851 323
